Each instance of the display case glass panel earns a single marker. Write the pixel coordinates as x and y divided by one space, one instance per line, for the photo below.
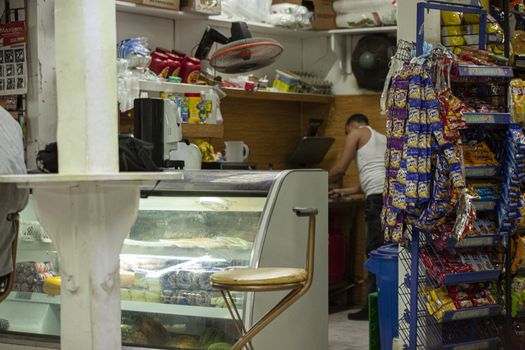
185 231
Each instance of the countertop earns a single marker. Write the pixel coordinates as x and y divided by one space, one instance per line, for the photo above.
347 201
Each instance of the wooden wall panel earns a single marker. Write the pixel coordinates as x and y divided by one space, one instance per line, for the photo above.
271 129
344 107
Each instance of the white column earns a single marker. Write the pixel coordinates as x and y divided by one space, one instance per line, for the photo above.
85 32
88 223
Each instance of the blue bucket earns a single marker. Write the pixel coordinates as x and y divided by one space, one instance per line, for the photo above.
383 263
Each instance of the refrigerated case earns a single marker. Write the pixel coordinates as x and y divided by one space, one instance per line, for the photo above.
185 231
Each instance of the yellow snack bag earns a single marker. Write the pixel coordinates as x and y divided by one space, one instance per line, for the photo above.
451 18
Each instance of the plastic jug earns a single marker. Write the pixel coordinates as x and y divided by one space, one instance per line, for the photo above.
236 151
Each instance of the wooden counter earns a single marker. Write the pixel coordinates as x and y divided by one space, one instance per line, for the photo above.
347 218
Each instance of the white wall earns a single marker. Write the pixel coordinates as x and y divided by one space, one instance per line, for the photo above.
160 32
42 101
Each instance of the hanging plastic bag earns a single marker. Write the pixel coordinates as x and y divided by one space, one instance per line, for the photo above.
249 10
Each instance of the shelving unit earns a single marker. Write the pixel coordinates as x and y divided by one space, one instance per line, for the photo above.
173 88
418 332
204 131
279 96
137 306
262 28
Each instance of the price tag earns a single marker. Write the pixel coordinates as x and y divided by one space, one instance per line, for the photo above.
480 118
476 313
476 242
474 346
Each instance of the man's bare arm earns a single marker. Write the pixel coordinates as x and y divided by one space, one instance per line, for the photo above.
348 155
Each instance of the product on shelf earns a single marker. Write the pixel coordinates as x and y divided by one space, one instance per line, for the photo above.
478 154
518 38
423 167
452 109
440 265
517 100
484 192
31 276
454 298
518 296
52 286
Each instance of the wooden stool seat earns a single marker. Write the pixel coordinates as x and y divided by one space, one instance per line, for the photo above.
258 278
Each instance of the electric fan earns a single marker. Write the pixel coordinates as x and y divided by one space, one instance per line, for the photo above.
240 53
370 61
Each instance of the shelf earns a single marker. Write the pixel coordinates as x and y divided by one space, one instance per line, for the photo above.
180 310
279 96
475 241
256 27
138 306
471 277
487 118
129 7
481 171
485 344
156 86
473 71
473 312
484 205
368 30
204 131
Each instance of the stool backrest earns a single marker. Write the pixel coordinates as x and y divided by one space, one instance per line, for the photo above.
310 251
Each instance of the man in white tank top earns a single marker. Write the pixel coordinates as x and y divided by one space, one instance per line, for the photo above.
367 147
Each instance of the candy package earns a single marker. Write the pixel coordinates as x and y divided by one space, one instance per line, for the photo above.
517 100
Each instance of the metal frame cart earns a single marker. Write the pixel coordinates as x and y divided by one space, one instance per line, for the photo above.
417 329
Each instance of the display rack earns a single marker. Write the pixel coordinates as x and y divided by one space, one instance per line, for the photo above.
418 329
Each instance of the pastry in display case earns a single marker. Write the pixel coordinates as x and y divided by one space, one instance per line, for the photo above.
184 232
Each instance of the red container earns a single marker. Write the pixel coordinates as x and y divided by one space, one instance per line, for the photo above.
159 64
174 67
178 54
190 70
336 258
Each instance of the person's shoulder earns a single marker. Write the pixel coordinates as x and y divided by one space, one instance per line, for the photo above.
8 124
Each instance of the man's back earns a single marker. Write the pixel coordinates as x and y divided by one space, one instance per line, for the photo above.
12 199
371 163
11 145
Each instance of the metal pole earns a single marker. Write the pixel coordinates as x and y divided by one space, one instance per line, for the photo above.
414 292
506 27
508 294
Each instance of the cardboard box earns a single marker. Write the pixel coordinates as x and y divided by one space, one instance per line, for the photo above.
165 4
209 7
324 14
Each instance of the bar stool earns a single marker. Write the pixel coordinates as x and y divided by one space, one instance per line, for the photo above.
11 278
297 281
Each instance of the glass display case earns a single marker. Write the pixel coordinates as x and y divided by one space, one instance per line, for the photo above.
185 231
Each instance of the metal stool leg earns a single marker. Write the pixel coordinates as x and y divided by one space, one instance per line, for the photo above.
232 308
271 315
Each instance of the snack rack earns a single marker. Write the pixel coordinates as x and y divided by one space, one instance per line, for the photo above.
417 329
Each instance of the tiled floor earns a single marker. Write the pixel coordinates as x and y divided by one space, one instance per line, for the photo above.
347 335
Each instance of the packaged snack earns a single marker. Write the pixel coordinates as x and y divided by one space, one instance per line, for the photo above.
451 18
517 100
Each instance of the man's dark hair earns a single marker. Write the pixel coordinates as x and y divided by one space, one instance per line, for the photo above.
358 118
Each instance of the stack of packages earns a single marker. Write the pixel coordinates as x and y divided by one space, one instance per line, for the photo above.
291 16
513 176
30 276
448 299
365 13
424 174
